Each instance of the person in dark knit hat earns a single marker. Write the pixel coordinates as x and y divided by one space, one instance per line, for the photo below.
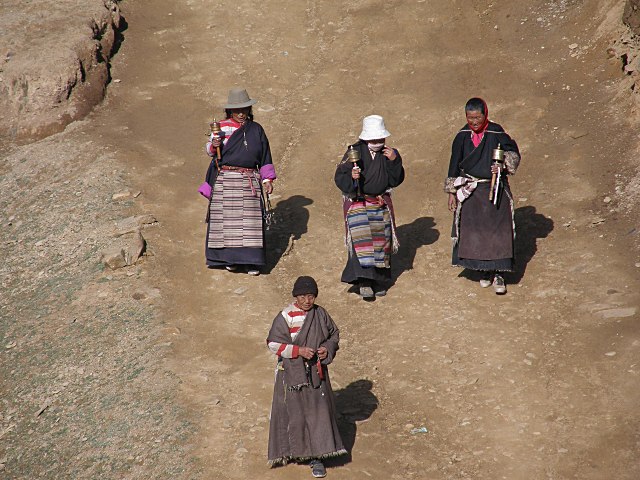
303 424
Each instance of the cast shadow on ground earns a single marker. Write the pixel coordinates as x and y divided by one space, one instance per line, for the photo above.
354 403
290 221
530 226
411 237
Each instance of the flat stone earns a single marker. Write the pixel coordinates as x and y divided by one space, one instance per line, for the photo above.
618 312
131 224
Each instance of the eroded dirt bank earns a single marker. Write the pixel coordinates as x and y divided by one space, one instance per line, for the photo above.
54 63
541 383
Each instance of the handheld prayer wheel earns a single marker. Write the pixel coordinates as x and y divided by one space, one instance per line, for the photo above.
354 157
497 157
498 154
215 131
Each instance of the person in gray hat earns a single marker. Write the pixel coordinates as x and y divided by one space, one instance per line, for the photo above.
241 169
369 170
303 425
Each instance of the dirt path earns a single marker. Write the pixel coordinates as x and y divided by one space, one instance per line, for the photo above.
540 383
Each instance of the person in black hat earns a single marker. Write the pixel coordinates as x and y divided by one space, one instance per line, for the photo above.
234 185
303 424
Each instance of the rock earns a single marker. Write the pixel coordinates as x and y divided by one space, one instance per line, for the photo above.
610 354
121 195
607 199
631 15
573 46
618 312
113 258
125 254
240 290
134 249
132 224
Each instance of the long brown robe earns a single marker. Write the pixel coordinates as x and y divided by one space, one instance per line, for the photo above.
303 413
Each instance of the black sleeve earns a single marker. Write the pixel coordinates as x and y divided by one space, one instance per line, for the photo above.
265 158
395 170
343 178
508 144
211 173
456 156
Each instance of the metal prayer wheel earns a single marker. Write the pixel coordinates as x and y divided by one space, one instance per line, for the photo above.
353 155
498 154
215 128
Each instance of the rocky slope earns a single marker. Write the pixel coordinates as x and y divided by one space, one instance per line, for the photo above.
54 63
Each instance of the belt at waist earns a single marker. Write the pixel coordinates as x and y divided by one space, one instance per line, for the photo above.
238 169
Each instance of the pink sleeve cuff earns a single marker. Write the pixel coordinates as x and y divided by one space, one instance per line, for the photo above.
268 172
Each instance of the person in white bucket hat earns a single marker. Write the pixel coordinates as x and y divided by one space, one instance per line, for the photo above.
234 186
368 210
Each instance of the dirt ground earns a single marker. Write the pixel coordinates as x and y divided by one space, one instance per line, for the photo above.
166 370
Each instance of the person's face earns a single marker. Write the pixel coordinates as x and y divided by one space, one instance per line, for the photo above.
305 302
475 120
240 115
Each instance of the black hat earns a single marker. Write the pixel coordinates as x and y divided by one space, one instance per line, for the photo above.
304 286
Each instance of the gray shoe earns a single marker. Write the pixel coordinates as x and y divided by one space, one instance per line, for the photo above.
498 285
366 291
317 469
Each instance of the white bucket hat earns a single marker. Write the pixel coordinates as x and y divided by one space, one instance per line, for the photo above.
373 128
239 98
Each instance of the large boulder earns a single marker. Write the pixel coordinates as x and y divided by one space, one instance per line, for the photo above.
54 62
631 15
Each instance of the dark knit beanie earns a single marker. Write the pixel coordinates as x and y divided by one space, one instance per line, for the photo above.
304 286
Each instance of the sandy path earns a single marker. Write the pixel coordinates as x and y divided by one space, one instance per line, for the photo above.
512 387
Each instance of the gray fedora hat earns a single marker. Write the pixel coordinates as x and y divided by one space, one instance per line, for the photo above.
239 98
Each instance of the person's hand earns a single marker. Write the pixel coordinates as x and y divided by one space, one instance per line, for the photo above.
355 173
268 187
453 202
322 353
216 141
306 352
389 152
495 167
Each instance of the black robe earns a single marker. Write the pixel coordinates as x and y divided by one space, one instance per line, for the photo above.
377 175
248 147
483 233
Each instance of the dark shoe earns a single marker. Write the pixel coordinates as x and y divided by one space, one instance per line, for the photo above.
498 285
317 467
231 268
